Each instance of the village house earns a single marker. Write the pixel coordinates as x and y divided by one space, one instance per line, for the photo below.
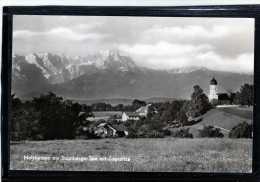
130 116
143 111
140 112
104 130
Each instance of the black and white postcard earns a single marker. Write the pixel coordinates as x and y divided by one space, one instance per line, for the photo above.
134 94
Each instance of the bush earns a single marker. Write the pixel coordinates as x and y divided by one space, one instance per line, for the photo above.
132 134
210 131
145 131
242 130
85 132
166 132
154 134
182 133
182 117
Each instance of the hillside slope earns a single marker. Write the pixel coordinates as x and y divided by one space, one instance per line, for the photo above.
220 118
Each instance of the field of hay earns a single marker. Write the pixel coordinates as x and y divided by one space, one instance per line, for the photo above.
243 112
151 155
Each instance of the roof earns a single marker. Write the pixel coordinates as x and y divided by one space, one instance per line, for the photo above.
116 116
132 114
143 108
81 113
213 81
102 124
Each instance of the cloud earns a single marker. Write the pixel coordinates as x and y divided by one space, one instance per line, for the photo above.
228 39
188 32
59 32
87 27
24 34
170 42
165 55
243 62
163 49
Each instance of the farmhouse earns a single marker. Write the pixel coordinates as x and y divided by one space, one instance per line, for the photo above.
140 112
130 116
143 111
109 130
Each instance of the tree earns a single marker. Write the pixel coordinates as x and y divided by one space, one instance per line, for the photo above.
246 94
170 111
199 103
24 121
138 103
58 119
242 130
182 117
210 131
101 107
46 117
51 114
182 133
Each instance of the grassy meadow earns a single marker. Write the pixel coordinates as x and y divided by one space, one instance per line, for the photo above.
150 155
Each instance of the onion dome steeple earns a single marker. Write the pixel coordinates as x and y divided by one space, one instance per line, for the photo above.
213 81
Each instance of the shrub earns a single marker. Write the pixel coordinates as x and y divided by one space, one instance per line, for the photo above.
132 134
182 117
210 131
182 133
242 130
145 131
85 132
166 132
154 134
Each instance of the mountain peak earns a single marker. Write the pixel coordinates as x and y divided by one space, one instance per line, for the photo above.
60 68
119 61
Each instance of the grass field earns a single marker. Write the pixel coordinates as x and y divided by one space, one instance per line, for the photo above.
244 112
166 154
223 118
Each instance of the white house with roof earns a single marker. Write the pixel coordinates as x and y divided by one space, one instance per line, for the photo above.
130 116
143 111
140 112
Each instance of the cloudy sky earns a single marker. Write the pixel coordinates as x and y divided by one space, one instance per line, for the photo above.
225 44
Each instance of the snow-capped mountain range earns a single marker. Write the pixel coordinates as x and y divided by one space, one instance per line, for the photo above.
60 68
110 74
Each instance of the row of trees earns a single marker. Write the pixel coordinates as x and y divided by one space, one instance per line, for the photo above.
102 106
178 111
50 117
44 118
184 112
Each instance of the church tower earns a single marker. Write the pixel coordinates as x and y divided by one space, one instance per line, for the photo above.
213 89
